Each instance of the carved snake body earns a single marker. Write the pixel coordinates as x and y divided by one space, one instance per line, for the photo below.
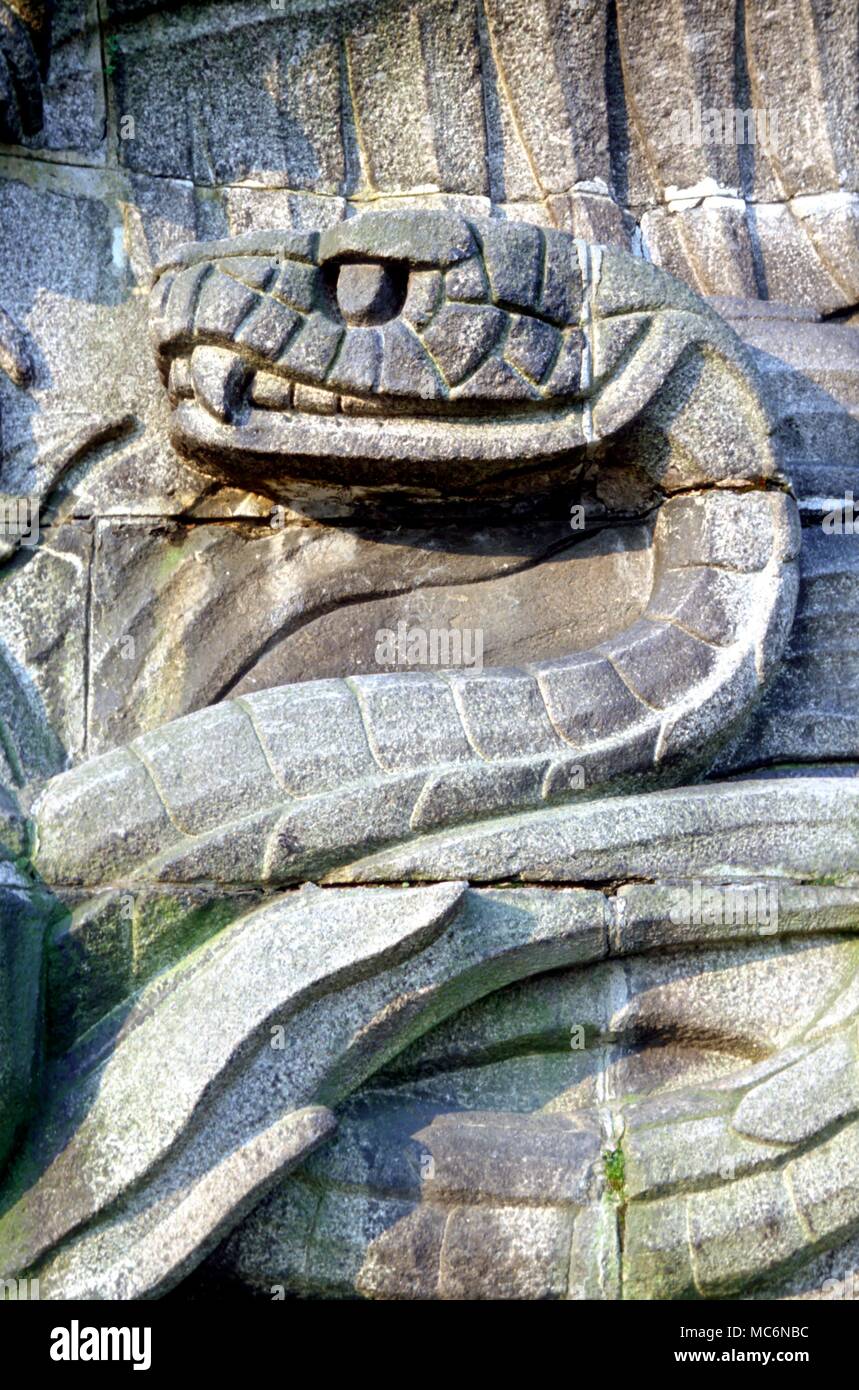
421 356
424 359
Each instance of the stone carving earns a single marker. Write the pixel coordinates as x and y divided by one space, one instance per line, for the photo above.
532 344
314 774
471 982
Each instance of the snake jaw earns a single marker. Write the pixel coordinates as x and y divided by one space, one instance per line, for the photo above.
419 338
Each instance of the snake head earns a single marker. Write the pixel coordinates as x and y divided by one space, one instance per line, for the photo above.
415 352
412 350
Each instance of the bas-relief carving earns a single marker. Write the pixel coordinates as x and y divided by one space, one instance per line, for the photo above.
672 1058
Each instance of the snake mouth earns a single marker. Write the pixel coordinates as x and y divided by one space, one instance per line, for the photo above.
232 413
277 430
420 339
229 383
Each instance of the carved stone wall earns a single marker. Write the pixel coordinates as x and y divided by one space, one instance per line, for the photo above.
176 173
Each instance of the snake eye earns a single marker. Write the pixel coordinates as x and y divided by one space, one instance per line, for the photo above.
370 292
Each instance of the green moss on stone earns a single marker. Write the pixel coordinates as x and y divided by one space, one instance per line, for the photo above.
613 1164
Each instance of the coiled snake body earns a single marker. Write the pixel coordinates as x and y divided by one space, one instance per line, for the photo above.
421 357
412 360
